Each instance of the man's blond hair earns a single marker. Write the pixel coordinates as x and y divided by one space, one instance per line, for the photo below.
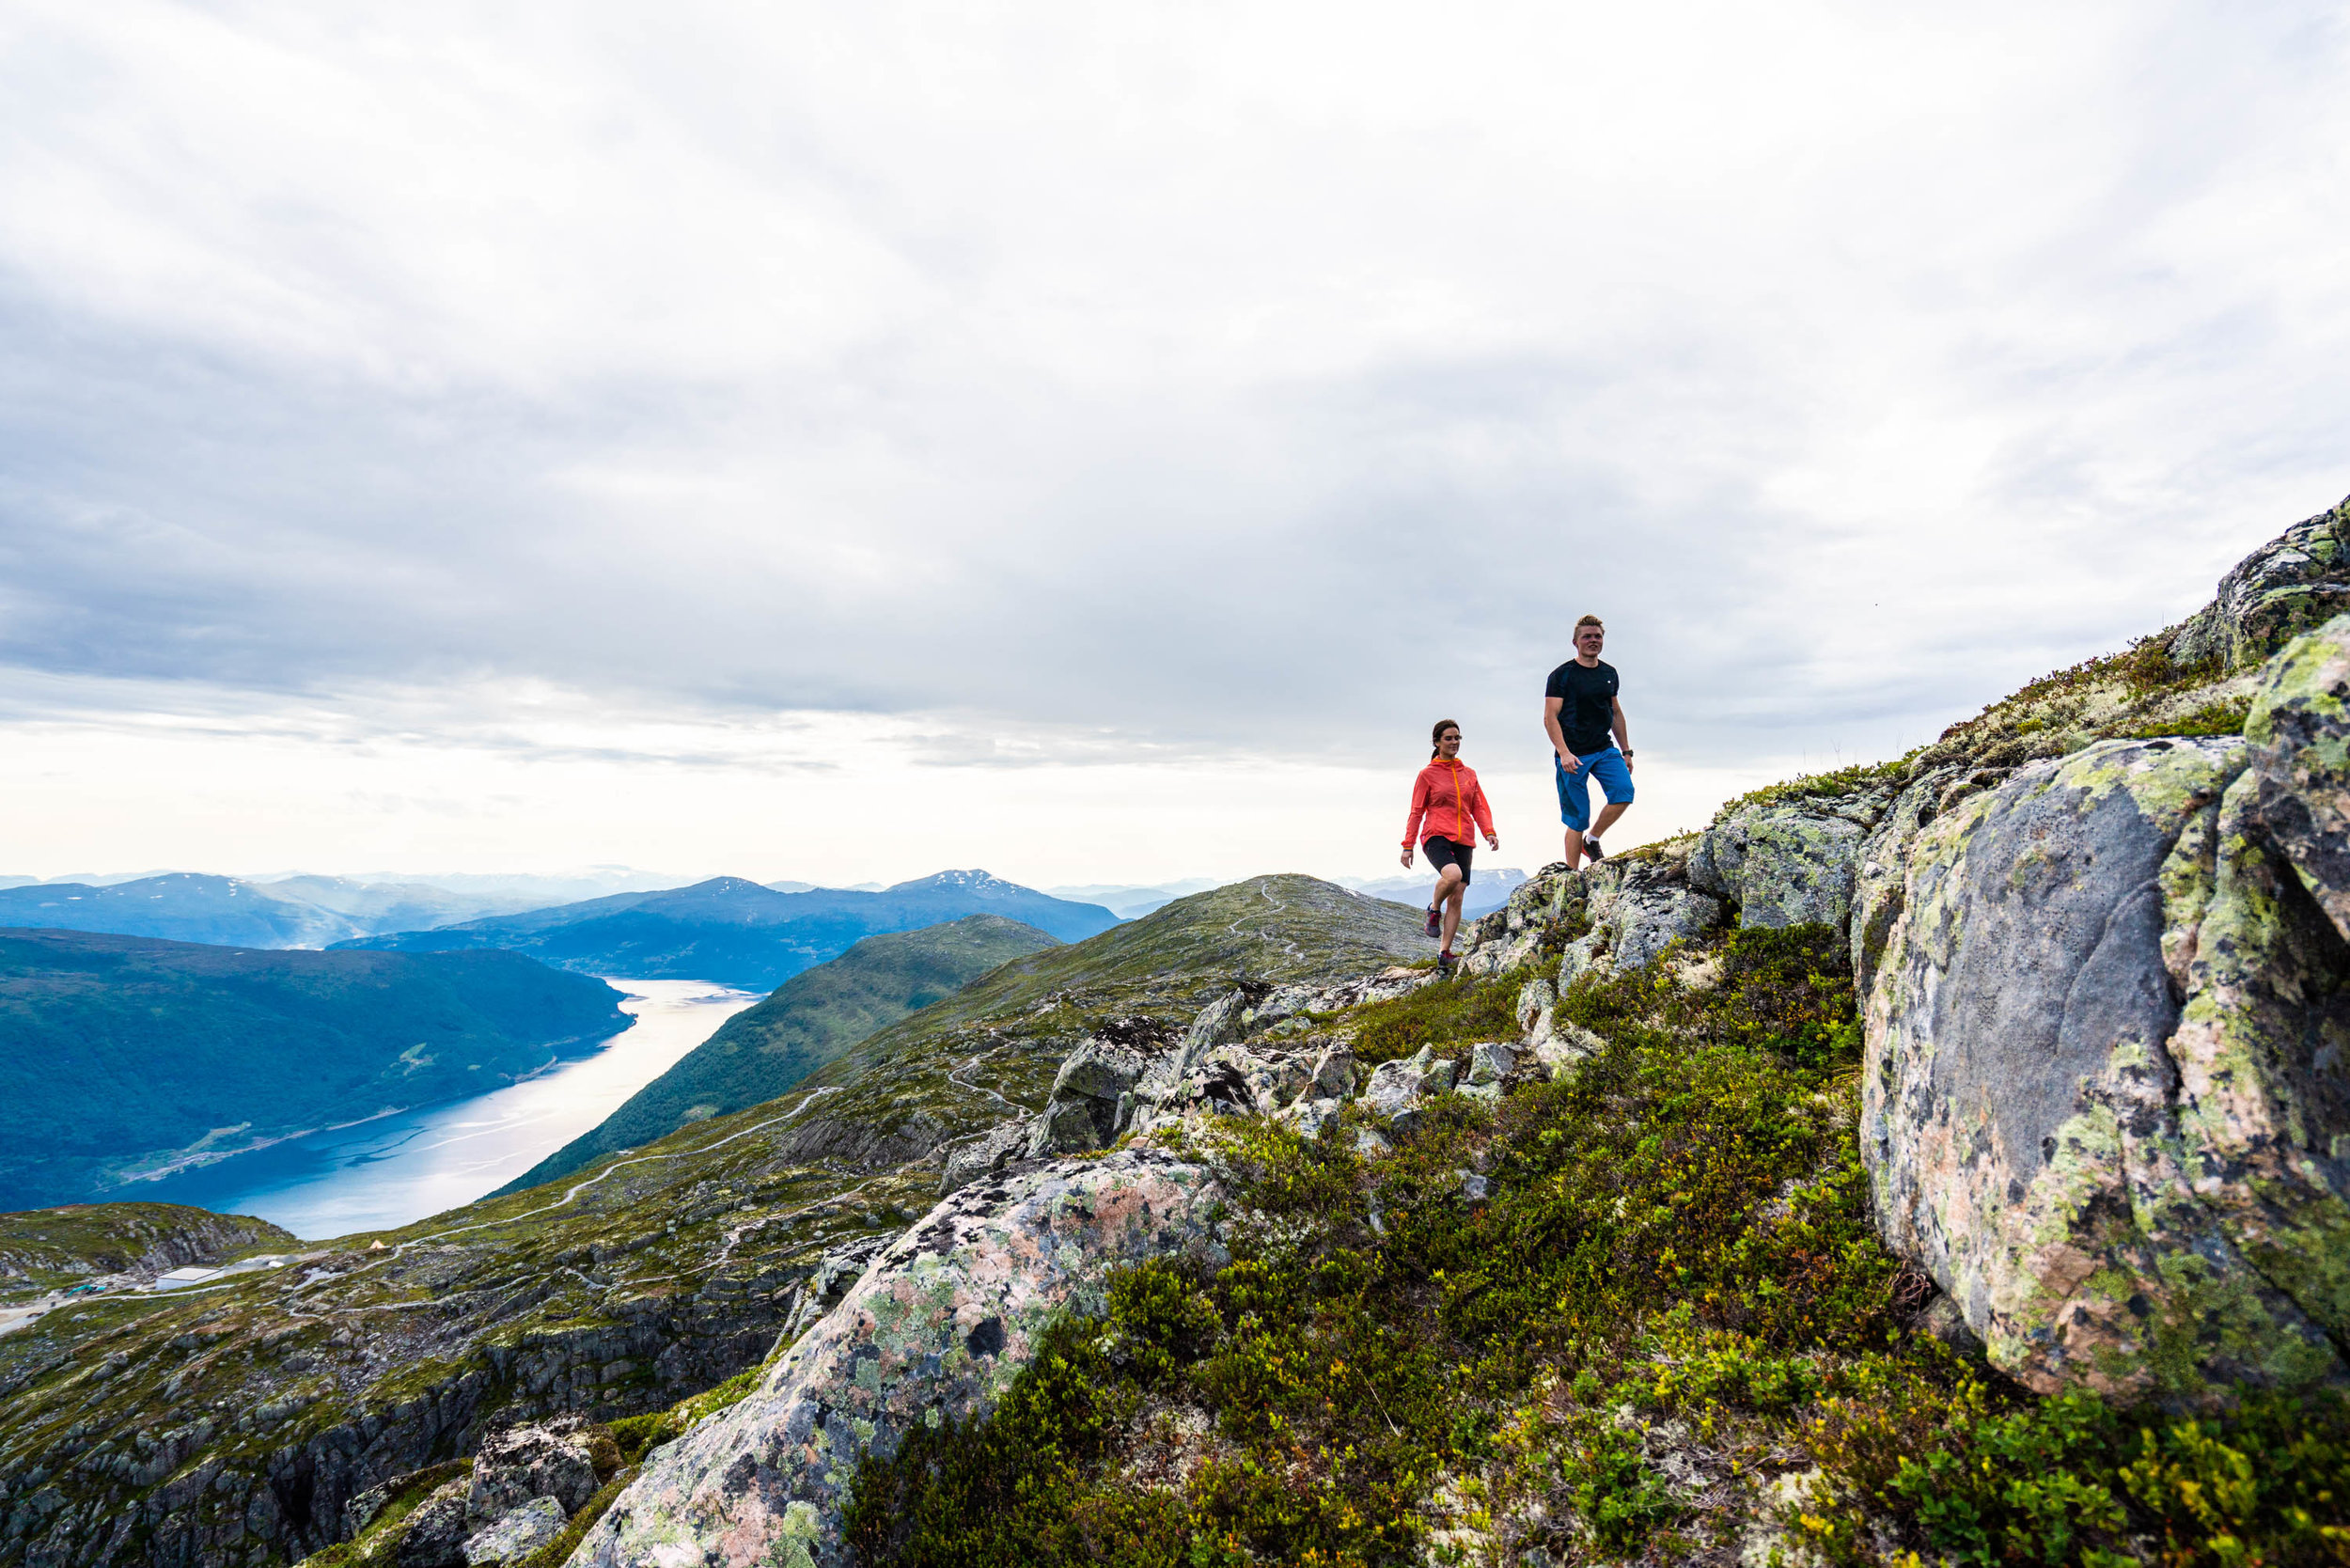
1590 620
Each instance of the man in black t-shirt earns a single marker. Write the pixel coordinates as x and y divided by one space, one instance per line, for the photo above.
1588 740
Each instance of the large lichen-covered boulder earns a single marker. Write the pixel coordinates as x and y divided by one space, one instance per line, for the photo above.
2097 1174
2299 731
2291 583
1880 873
938 1328
1789 864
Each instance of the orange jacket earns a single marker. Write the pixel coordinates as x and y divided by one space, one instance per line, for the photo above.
1443 797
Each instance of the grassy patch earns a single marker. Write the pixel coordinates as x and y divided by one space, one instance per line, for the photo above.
1853 780
1463 1007
2211 720
1671 1295
571 1534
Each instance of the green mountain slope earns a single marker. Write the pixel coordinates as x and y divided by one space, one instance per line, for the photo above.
811 1019
950 1069
43 1249
126 1055
624 1287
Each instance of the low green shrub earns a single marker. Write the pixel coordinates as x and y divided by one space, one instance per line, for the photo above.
1670 1292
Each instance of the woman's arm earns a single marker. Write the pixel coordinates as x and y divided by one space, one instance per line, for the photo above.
1419 809
1483 811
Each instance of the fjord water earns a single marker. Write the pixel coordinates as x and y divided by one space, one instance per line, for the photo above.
397 1170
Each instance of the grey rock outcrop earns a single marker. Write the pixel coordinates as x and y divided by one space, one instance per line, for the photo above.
938 1328
1637 909
835 1273
2106 1103
438 1530
984 1156
2288 586
1512 936
1092 1097
1880 875
519 1531
1398 1089
1790 864
549 1459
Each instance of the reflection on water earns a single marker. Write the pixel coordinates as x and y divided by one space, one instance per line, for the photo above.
398 1169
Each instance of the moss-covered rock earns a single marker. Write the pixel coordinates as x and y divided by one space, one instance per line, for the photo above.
936 1330
2099 1178
2289 585
2299 733
1791 864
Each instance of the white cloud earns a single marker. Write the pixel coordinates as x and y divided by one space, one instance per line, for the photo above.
1230 387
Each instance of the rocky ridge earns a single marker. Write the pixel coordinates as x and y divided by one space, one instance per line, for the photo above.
2107 999
237 1421
2101 1097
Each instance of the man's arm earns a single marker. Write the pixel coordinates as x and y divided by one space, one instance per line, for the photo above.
1557 736
1623 733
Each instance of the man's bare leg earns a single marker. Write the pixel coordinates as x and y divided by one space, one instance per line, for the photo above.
1607 815
1575 848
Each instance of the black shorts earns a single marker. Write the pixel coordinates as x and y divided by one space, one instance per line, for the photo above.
1443 852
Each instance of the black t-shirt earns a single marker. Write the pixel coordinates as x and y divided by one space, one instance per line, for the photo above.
1587 709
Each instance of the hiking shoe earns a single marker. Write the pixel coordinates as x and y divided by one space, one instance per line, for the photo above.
1444 964
1436 922
1591 847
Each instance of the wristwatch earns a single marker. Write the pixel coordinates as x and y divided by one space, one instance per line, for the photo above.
1627 751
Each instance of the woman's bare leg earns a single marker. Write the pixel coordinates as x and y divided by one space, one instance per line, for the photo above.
1453 910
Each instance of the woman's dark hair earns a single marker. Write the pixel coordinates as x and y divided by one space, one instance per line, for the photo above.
1435 736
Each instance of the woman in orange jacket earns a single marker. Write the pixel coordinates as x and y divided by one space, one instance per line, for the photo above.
1446 801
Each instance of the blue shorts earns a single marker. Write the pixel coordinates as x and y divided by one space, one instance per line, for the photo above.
1574 794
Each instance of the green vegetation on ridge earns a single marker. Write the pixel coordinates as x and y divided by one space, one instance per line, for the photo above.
1667 1332
809 1021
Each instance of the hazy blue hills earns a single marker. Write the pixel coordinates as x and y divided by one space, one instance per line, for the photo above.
740 933
810 1020
290 912
180 906
122 1055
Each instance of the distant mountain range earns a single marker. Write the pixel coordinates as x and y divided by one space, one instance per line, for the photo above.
1488 890
188 906
122 1055
740 933
811 1019
1131 900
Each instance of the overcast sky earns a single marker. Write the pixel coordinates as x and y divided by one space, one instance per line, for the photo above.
1094 442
